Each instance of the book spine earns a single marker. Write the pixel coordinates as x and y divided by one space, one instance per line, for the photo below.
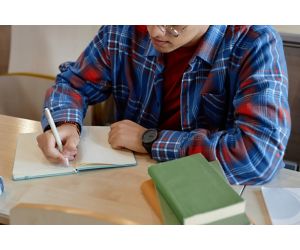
165 195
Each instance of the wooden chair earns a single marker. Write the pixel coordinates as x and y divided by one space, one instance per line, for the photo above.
292 53
41 214
29 54
104 113
5 33
22 94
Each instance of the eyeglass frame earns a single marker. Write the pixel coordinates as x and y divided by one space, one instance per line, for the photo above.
171 30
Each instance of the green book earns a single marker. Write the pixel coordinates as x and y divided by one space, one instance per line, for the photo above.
240 219
195 190
169 217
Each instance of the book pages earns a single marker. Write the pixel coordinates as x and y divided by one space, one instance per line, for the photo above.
94 149
94 152
30 161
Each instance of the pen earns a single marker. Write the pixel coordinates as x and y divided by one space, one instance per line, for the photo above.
55 132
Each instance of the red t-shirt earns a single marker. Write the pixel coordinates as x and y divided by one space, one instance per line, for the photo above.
176 62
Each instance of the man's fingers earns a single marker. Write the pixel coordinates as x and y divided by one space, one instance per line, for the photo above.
123 123
53 155
126 134
114 140
70 146
47 144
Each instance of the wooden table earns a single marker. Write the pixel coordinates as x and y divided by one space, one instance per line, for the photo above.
113 191
107 191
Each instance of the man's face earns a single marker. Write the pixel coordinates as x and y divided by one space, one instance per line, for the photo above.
164 42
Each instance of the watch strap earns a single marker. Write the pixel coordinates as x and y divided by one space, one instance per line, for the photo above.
148 145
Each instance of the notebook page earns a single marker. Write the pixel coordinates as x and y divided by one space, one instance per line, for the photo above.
94 149
30 161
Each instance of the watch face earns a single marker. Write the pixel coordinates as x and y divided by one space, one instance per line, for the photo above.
150 136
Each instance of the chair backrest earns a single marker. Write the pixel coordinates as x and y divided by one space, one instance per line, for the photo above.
292 53
23 95
36 50
40 214
5 31
104 113
42 48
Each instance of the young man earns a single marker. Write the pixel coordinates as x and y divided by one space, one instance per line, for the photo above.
179 90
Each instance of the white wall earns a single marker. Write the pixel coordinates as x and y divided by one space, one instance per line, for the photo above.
289 29
41 49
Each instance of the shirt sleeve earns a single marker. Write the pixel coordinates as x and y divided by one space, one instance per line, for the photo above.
81 83
252 150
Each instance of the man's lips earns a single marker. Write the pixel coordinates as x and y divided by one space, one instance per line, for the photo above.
159 42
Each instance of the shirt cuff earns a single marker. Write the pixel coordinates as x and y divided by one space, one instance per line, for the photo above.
175 144
168 145
72 115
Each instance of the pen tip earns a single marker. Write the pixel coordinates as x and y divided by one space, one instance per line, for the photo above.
67 162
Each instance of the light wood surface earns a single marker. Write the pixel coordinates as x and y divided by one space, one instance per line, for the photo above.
111 192
255 205
10 127
44 214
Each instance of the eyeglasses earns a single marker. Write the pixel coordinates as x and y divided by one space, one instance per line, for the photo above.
174 30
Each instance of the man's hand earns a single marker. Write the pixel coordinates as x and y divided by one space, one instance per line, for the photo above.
127 134
70 139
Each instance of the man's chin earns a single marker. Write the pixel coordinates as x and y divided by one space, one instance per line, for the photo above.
163 49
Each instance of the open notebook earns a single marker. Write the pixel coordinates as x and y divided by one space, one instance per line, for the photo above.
94 152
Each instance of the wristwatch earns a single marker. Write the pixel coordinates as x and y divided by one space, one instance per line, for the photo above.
148 138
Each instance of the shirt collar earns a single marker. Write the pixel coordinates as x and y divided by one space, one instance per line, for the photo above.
150 50
210 43
208 48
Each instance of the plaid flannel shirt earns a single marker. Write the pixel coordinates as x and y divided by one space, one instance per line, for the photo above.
234 95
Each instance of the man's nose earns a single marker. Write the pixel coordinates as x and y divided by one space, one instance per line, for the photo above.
156 31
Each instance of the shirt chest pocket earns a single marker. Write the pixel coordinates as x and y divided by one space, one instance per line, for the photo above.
213 110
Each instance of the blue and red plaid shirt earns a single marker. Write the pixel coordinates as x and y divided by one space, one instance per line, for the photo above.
234 95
